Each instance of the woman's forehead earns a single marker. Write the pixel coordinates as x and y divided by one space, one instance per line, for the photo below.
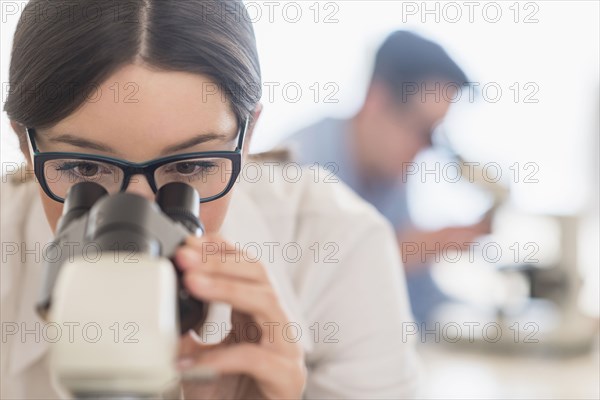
156 108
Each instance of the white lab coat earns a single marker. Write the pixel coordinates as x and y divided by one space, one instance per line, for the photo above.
346 291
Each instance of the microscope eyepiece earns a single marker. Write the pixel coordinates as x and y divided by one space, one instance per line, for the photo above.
80 199
181 203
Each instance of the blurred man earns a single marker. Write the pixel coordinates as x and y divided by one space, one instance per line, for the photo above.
413 84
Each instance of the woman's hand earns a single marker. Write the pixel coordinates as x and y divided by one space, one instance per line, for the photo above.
267 367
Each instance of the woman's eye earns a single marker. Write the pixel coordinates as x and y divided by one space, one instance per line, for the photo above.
87 169
188 168
83 169
185 168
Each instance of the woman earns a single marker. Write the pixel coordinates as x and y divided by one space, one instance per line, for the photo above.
145 80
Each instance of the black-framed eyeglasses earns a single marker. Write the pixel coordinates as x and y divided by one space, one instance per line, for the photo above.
212 173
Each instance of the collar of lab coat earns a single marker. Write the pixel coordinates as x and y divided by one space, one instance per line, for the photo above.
244 223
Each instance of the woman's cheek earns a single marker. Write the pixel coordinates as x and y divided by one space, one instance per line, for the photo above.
52 209
213 213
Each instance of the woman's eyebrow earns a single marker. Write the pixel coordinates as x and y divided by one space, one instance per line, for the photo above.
202 138
92 145
80 142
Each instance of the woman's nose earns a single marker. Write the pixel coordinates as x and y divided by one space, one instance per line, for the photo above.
139 185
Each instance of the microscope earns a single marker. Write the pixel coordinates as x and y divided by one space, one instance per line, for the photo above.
122 291
533 304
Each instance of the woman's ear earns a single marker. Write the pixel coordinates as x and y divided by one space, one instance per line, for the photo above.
255 115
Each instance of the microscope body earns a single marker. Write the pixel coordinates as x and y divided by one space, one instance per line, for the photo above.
128 344
123 292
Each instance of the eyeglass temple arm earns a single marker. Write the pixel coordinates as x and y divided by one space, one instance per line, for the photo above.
33 150
242 135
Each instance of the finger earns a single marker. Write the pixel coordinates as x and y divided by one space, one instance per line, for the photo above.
190 346
258 300
212 239
277 376
191 259
216 245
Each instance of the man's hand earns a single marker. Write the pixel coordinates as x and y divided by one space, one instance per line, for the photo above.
417 246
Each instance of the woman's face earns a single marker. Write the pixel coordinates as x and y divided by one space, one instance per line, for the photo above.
137 115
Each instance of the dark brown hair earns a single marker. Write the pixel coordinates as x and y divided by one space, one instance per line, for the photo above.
405 61
63 51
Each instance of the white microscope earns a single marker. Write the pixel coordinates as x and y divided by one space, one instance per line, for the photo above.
124 291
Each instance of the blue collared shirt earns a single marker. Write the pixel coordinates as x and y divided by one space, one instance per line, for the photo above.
328 144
